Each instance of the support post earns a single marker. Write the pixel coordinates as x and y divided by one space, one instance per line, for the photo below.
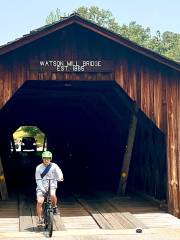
44 143
3 187
128 154
13 144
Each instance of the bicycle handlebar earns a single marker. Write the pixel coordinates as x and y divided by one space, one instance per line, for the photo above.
48 179
49 184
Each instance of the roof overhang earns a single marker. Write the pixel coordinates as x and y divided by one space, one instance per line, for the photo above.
76 19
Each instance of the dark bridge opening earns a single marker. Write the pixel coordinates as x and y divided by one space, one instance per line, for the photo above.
87 126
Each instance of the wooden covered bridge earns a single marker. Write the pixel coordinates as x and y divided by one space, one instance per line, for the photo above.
110 111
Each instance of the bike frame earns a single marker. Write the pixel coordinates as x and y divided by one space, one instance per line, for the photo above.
47 202
48 210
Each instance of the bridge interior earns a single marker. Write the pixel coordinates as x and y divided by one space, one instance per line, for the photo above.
87 126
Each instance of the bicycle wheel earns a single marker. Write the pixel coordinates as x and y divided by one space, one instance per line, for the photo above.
45 214
50 224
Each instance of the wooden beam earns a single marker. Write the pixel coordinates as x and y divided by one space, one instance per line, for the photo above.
3 187
44 143
13 144
128 153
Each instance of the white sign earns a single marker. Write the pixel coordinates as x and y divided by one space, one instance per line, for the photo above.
72 65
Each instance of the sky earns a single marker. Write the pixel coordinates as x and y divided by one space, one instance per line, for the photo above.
18 17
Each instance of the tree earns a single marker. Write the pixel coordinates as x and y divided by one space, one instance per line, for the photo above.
136 33
99 16
29 131
171 43
167 44
156 44
55 16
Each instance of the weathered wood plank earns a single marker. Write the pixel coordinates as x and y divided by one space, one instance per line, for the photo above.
73 215
172 149
100 220
58 223
108 217
25 219
132 219
9 216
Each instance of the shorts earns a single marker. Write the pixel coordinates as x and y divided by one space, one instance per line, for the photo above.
39 193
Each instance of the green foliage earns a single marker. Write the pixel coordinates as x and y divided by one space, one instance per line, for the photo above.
156 44
101 17
167 44
136 33
29 131
171 43
55 16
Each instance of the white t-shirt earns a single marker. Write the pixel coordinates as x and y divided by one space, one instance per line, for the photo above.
54 173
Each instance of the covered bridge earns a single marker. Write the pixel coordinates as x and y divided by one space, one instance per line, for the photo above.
114 103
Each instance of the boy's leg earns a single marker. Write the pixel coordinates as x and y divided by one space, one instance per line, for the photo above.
54 201
53 197
40 200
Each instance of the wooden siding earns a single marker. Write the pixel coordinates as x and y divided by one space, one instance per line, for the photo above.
154 86
156 90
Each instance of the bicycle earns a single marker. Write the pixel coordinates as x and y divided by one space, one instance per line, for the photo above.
48 211
48 215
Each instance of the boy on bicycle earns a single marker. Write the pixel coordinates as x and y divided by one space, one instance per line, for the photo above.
44 171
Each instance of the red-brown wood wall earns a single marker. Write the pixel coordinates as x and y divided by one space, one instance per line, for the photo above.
155 87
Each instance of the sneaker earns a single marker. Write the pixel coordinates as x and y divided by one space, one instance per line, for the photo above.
55 210
40 222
